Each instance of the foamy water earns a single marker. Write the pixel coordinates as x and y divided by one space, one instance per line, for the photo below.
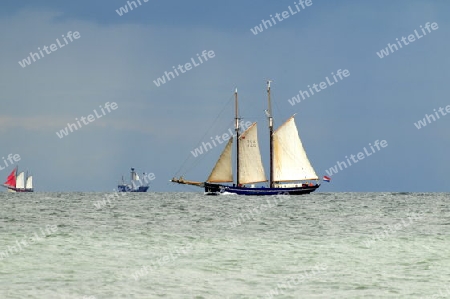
188 245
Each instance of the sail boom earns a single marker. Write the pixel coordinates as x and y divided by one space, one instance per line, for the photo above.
253 182
296 180
220 181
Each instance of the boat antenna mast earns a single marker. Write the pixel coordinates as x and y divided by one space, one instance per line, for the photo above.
269 116
236 127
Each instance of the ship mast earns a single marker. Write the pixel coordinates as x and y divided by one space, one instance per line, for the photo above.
236 126
269 116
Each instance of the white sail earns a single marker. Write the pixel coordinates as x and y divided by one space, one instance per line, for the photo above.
223 170
29 183
251 169
137 177
290 162
20 181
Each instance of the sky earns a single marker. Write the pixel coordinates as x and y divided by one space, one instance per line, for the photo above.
117 58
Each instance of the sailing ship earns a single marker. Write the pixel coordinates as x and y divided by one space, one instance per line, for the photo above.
19 182
290 172
135 185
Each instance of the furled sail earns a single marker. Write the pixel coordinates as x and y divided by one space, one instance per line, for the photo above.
29 183
223 170
289 156
20 182
251 169
11 179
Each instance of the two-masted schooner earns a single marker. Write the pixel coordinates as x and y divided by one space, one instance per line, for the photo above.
19 182
290 169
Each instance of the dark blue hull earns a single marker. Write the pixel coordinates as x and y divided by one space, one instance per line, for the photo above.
127 188
215 189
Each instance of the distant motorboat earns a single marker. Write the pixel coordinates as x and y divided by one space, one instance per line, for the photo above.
19 182
135 185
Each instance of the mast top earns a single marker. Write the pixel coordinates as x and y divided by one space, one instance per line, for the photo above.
269 108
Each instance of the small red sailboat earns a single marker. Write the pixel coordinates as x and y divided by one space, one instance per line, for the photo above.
19 182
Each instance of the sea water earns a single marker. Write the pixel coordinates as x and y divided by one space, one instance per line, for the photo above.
188 245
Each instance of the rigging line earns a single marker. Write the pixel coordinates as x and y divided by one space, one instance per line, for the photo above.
214 124
277 108
215 120
205 154
229 125
198 159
